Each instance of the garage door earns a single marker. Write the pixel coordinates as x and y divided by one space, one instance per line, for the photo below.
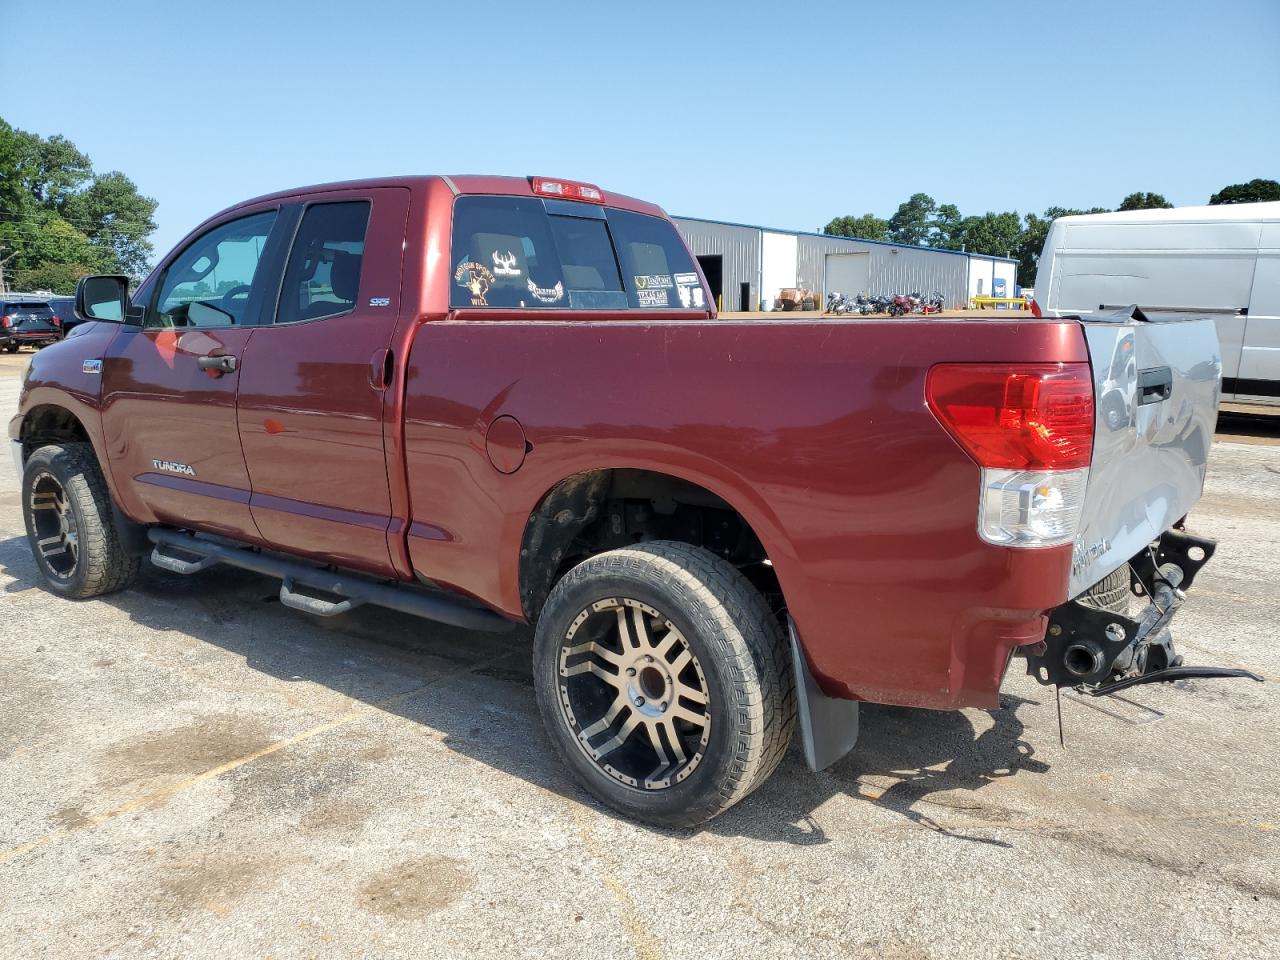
847 273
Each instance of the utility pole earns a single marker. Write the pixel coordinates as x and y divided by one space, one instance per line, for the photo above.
4 288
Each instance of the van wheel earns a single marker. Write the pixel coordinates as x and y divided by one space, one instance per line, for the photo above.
664 681
11 348
70 523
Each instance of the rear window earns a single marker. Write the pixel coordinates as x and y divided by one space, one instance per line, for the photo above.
27 306
526 252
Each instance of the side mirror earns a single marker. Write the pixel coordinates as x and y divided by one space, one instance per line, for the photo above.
102 298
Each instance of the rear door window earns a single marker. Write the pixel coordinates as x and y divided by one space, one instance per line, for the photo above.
322 278
518 252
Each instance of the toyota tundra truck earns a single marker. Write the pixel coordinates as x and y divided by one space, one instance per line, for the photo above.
490 401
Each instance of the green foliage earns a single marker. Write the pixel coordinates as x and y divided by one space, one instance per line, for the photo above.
946 230
866 227
996 234
1145 201
1255 191
913 220
115 217
60 221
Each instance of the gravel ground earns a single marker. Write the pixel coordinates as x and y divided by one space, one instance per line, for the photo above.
187 769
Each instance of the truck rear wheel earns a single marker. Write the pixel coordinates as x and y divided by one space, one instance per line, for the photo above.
70 523
664 681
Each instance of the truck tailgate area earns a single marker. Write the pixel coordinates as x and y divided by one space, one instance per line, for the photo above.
1156 389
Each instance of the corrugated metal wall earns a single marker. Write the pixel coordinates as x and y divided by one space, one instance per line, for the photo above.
740 248
893 269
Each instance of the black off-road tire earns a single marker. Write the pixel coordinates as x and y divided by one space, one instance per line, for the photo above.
743 660
1111 593
102 564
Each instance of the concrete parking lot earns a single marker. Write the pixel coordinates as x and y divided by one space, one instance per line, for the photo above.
187 769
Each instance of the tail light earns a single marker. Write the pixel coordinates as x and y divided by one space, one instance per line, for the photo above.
56 320
1034 307
1030 428
5 322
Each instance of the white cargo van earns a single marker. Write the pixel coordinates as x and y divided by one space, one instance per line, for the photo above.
1219 261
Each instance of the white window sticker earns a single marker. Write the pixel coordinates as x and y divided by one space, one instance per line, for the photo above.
652 298
684 278
547 294
654 281
504 264
691 297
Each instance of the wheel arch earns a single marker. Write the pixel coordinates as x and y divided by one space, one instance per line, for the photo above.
48 423
571 521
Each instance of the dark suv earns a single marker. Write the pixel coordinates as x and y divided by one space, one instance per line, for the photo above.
27 320
64 308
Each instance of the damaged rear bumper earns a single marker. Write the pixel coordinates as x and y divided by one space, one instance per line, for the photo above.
1099 651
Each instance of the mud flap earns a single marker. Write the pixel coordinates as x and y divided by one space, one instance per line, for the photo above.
828 726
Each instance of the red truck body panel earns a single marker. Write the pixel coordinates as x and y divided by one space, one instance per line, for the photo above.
815 431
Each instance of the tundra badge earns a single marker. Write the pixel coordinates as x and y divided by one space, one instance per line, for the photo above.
171 466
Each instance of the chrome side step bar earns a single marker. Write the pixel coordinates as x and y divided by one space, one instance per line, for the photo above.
196 554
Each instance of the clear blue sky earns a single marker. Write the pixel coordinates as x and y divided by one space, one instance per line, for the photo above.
785 114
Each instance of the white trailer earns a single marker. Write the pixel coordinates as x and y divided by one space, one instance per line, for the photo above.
1221 261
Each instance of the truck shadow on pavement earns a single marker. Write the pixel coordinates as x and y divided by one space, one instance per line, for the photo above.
476 692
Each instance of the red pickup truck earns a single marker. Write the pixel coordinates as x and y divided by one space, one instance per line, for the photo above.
491 400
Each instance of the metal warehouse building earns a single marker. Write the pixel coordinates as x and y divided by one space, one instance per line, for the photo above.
747 266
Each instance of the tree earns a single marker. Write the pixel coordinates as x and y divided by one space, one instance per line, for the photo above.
913 220
995 234
1255 191
946 228
44 241
60 221
866 227
1145 201
117 218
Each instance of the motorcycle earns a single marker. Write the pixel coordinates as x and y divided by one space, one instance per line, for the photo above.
932 305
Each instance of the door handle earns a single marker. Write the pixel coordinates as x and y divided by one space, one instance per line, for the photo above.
222 363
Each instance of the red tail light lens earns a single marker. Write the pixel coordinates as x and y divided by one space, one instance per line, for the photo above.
56 320
5 322
1035 308
1018 417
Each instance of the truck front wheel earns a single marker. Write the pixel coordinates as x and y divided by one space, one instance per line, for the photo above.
70 523
664 681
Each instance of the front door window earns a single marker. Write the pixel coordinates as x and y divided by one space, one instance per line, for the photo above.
209 283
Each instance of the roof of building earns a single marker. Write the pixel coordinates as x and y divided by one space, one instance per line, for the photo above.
832 236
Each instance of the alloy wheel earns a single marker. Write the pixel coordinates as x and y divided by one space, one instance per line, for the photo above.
56 531
634 694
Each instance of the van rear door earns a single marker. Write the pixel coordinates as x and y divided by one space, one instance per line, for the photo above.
1157 381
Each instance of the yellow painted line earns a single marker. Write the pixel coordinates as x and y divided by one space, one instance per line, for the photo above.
644 943
160 796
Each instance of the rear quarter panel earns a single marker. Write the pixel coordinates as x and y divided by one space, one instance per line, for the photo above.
815 430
